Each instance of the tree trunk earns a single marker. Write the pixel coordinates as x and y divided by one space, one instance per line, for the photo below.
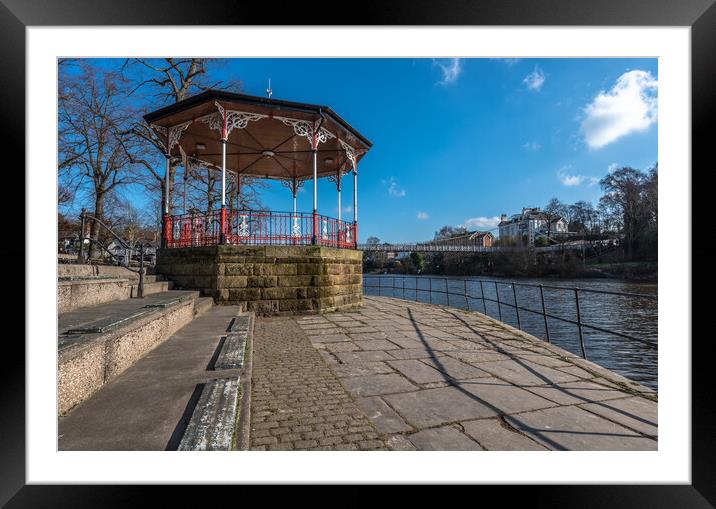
94 227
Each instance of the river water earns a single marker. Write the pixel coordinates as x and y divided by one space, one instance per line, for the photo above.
630 315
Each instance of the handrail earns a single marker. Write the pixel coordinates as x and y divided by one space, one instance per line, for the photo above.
512 284
84 216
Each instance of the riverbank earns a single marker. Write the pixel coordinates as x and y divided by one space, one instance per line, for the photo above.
625 271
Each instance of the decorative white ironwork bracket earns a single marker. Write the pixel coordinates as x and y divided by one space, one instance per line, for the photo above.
336 179
171 135
308 130
226 121
293 185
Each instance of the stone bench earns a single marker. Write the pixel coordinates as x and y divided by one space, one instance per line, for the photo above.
212 424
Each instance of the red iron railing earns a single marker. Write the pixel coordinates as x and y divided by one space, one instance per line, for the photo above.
257 227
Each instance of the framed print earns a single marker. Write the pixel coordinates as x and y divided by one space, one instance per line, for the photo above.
428 235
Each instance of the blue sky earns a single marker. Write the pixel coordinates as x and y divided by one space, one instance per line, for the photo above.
458 142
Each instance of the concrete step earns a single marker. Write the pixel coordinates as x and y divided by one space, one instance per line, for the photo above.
151 287
150 405
86 270
234 346
211 427
96 344
202 305
220 422
74 292
85 288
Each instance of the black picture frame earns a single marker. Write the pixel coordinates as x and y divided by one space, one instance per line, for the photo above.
700 15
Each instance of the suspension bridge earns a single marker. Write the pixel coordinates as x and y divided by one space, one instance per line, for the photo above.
473 247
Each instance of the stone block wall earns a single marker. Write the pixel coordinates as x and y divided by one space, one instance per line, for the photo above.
268 279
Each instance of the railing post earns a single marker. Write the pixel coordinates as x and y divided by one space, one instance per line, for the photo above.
499 308
579 323
430 289
222 219
140 287
167 231
482 294
467 301
517 308
544 313
314 237
81 253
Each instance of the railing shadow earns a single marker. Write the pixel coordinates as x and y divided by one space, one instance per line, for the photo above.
499 411
554 385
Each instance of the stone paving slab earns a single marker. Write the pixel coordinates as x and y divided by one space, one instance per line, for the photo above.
493 435
570 428
573 393
446 438
454 368
384 417
377 384
362 357
432 377
503 397
432 407
417 371
635 413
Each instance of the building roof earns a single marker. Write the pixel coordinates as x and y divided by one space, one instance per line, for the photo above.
266 140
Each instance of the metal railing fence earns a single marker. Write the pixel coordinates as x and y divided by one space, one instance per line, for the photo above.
258 227
465 294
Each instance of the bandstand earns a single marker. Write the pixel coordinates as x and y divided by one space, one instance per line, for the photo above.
273 262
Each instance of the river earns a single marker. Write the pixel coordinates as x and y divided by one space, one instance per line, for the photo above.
629 315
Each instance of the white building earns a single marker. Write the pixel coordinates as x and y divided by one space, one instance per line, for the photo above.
530 223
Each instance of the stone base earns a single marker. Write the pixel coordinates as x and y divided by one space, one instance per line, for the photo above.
268 280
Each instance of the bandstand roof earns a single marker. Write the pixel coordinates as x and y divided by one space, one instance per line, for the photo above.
267 138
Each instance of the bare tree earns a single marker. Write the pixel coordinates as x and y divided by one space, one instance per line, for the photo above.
554 210
165 81
93 122
631 200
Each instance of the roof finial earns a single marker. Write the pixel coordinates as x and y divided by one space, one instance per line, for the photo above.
268 90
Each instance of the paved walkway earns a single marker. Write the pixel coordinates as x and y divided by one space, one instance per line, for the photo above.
437 378
297 402
148 406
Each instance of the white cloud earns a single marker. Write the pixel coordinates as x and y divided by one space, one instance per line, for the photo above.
575 180
629 106
394 188
450 69
535 79
532 146
481 223
423 216
348 209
